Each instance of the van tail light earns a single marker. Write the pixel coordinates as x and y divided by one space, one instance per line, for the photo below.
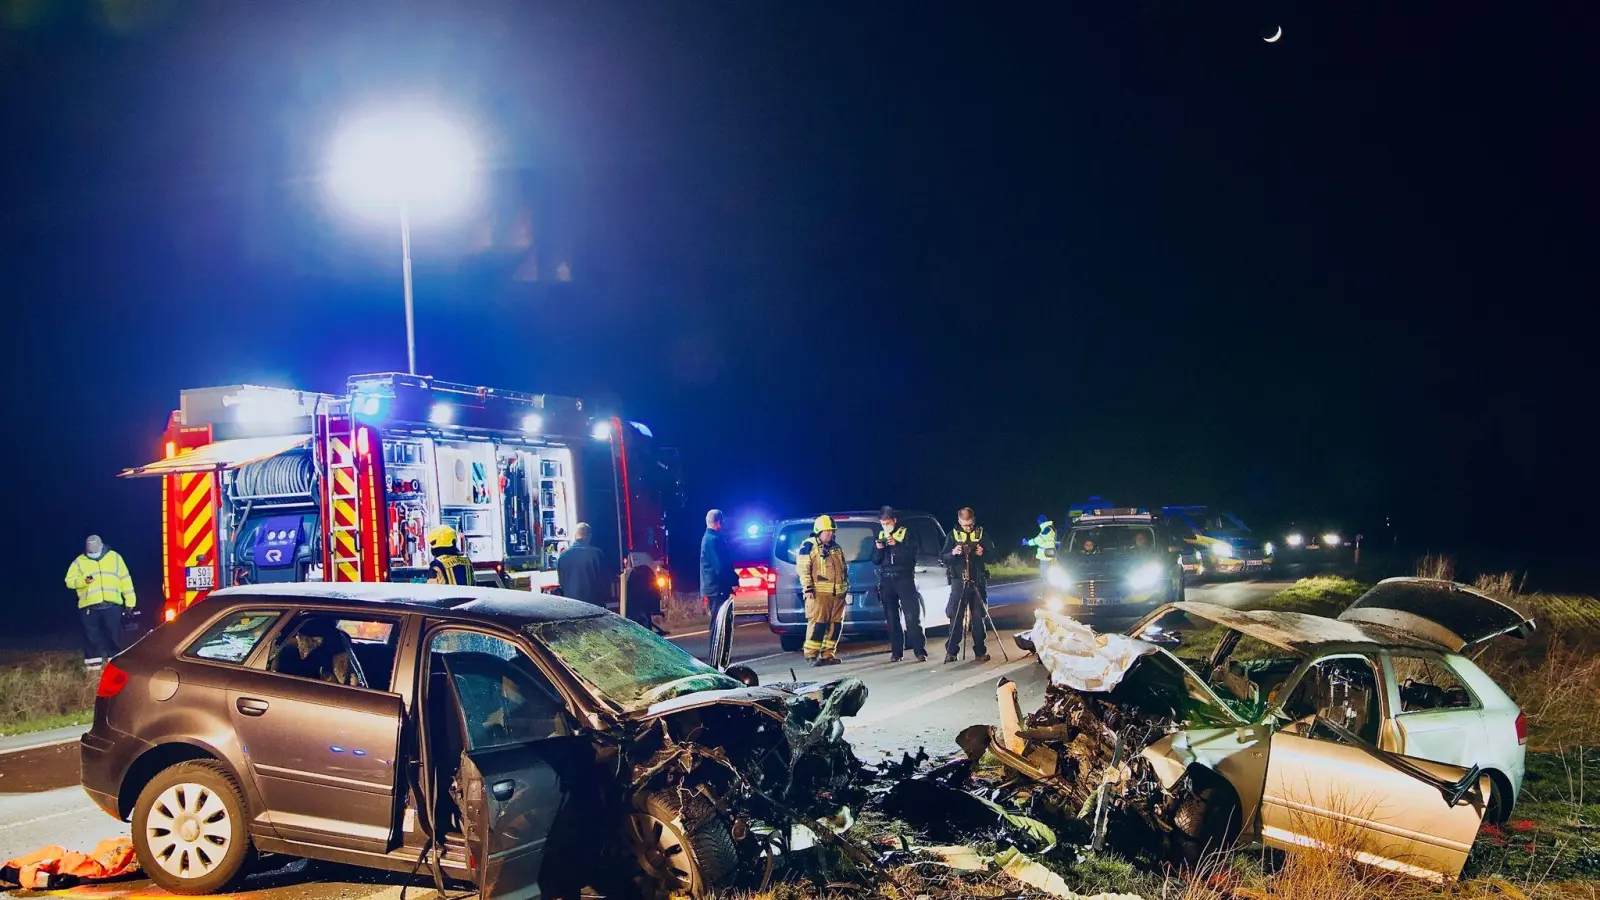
1522 727
112 681
772 581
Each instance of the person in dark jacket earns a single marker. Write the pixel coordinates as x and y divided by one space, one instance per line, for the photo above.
644 596
717 577
895 554
966 553
582 570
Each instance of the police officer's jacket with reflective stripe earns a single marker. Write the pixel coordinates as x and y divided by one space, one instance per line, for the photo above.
898 559
955 565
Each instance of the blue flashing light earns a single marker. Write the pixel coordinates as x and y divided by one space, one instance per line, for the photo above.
643 429
371 406
442 414
602 431
753 530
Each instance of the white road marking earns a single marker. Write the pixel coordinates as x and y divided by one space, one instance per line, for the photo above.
866 719
44 818
673 637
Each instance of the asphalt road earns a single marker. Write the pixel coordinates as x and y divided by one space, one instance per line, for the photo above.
910 705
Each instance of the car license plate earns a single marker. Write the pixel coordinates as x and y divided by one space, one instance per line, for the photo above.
199 578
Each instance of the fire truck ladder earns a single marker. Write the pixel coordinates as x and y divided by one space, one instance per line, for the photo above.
344 492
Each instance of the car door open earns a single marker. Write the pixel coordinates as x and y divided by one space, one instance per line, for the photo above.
489 704
1329 786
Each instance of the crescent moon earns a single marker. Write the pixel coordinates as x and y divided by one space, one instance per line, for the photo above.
1275 38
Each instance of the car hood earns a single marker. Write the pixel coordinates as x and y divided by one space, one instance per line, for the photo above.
1452 615
770 698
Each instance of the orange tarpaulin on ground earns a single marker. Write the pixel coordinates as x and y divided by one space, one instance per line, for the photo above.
110 858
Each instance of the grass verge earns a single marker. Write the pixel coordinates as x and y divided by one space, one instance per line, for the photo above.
41 690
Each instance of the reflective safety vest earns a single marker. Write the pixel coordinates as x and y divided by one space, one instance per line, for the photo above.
899 535
103 580
968 537
450 569
1045 543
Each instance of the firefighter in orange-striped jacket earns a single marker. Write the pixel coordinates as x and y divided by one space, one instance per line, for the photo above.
825 580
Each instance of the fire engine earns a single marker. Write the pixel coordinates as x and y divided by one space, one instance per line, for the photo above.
264 484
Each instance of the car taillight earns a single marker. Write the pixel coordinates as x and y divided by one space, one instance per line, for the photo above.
772 581
1522 728
112 681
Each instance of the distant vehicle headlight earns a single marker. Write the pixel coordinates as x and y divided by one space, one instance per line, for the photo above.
1055 604
1268 548
1330 540
1146 576
1058 577
1296 539
1222 551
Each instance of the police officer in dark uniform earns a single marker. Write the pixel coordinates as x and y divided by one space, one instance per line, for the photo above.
895 555
965 554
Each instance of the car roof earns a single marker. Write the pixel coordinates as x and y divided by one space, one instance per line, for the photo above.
866 514
1303 632
446 601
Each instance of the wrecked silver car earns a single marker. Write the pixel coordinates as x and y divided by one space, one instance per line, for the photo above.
1206 726
529 745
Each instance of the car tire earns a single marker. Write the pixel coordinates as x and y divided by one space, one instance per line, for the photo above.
791 642
1207 819
189 829
679 850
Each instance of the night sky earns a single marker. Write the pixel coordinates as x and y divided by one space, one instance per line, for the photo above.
840 254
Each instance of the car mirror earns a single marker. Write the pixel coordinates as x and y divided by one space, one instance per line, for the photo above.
743 674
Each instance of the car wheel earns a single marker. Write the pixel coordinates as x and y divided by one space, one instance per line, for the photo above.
791 642
679 851
1207 820
189 829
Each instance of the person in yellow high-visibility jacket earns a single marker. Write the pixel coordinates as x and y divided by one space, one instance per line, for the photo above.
824 580
104 589
1044 544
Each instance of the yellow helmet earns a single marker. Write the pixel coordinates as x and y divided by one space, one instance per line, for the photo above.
442 536
823 523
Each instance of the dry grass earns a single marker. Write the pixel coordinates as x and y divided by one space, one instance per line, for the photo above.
44 690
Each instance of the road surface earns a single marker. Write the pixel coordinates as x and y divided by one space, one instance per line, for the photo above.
910 705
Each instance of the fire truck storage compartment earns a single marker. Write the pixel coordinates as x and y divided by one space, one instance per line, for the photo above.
468 485
411 485
272 520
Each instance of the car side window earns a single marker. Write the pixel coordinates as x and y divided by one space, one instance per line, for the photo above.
354 651
501 696
1342 690
233 636
929 537
1426 683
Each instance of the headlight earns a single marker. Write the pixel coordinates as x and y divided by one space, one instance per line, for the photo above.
1055 604
1221 550
1058 578
1146 576
1330 540
1268 548
1295 540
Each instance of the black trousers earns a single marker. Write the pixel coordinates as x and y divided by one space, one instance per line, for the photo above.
898 594
102 630
972 617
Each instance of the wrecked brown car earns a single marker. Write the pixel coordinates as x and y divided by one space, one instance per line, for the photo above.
530 745
1206 726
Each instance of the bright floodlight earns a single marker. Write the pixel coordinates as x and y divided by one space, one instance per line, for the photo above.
419 158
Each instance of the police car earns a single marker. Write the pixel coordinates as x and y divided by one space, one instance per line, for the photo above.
1111 562
1224 545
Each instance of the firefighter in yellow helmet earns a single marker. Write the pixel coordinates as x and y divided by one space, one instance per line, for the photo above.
448 566
825 580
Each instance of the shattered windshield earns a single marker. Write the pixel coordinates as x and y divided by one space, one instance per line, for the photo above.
1098 538
629 665
1244 671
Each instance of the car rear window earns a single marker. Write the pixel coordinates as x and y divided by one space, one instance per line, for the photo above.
857 539
233 636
